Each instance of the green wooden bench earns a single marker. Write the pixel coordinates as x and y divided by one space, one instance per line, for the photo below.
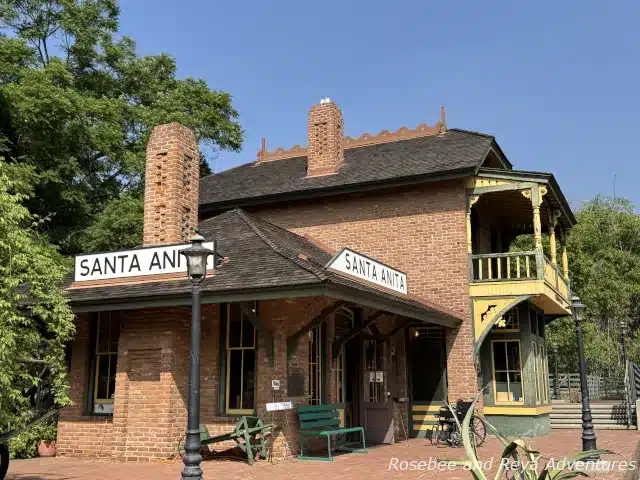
244 434
324 421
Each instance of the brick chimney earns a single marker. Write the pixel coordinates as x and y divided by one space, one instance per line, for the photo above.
172 177
325 153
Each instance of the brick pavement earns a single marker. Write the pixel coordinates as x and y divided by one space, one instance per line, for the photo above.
373 465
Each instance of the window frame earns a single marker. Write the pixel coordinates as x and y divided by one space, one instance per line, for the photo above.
493 370
94 364
318 332
340 366
227 364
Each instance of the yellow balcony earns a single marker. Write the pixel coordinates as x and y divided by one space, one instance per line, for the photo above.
499 281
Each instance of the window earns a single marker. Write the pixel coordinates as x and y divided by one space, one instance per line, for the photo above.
343 321
105 359
509 321
507 372
241 362
316 371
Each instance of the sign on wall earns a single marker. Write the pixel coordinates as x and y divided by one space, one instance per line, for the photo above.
134 263
365 268
277 406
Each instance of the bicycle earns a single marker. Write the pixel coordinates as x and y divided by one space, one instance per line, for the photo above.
448 427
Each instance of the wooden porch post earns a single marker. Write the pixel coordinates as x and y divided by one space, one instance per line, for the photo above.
565 258
535 194
553 221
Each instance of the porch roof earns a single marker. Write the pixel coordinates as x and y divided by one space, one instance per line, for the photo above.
261 261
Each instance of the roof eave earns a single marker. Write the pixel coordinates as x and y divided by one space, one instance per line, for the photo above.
541 177
213 207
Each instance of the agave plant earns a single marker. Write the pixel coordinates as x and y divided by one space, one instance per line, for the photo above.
518 461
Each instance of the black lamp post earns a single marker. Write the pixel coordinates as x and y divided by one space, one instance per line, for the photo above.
556 378
196 256
588 435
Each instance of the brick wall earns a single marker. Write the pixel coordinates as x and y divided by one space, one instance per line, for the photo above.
150 414
420 230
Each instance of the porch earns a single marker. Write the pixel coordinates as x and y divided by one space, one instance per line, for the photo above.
518 282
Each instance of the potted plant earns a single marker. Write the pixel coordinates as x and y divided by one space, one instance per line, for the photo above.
47 434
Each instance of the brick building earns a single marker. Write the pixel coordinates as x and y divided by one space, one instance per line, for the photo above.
354 270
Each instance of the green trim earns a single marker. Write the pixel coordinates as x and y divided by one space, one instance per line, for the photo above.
501 188
222 374
349 294
91 367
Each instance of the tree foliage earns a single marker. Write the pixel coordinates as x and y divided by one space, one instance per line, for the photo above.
78 105
604 267
36 319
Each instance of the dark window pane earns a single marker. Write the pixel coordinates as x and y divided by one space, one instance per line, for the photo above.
533 319
116 325
248 334
248 379
541 326
499 356
103 332
103 376
235 325
513 356
112 374
235 379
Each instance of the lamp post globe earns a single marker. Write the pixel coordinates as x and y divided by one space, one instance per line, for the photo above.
588 434
196 256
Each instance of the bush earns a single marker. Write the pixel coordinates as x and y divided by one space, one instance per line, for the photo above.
25 444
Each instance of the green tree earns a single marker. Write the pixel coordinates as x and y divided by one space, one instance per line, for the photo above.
36 319
604 267
78 105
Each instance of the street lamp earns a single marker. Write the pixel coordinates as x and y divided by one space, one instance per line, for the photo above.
196 256
556 378
588 435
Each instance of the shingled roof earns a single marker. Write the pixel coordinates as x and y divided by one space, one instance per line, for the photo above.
454 152
260 257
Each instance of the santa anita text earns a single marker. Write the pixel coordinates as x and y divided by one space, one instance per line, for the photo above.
435 464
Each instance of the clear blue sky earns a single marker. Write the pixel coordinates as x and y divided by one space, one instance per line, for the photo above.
555 81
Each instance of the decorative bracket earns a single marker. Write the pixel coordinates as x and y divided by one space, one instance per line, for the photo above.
339 342
319 319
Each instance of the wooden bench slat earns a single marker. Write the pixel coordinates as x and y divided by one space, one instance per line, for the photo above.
319 415
319 423
319 408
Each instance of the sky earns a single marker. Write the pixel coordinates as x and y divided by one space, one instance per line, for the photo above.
556 82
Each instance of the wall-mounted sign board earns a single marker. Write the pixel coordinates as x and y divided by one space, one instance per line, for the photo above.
365 268
134 263
276 406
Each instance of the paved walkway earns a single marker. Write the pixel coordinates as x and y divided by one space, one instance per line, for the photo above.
373 465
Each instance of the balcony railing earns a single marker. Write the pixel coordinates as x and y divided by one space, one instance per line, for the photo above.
495 267
518 266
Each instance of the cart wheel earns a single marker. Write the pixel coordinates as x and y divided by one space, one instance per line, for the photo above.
478 430
4 460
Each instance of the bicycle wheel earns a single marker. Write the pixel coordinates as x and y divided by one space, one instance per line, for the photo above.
4 460
478 430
